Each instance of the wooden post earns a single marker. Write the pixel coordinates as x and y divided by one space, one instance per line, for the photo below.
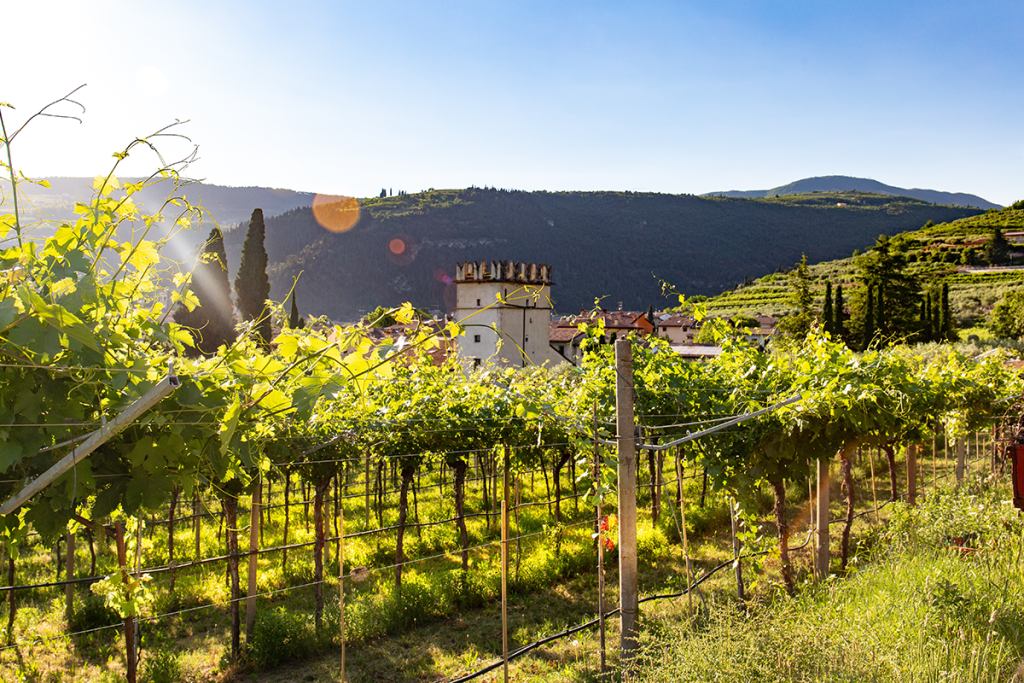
874 489
341 584
629 594
12 605
935 461
945 447
287 519
254 545
682 515
229 504
993 447
129 621
367 488
600 544
961 459
505 482
821 564
735 551
911 474
69 574
810 502
504 575
197 520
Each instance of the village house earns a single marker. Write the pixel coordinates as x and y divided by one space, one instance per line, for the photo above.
505 307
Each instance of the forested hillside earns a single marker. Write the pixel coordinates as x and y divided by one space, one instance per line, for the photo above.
601 244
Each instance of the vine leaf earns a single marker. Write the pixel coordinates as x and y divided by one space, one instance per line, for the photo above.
227 429
60 318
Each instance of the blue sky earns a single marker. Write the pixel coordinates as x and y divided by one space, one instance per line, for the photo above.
347 98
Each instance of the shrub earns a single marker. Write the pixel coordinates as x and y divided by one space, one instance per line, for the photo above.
161 666
280 636
91 611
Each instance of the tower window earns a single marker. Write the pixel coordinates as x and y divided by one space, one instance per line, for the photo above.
476 362
476 338
478 302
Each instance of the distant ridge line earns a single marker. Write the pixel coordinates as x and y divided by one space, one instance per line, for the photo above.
842 183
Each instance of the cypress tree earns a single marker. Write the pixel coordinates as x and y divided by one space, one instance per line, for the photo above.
923 320
827 318
997 249
837 310
212 322
936 319
869 319
926 321
948 324
295 322
896 291
252 286
881 317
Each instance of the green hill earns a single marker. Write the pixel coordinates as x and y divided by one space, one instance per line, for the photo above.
601 244
948 252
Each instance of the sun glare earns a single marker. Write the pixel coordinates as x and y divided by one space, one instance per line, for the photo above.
335 213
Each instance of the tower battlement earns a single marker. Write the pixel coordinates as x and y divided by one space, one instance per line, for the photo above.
503 271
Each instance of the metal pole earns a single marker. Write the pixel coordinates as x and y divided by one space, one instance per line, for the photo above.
629 595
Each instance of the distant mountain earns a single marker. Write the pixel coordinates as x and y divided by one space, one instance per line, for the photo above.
842 183
228 205
616 245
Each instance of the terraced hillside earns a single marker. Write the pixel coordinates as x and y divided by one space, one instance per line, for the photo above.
950 252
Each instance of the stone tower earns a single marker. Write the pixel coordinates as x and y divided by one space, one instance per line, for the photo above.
506 308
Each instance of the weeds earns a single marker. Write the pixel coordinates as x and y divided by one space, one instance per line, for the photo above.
923 608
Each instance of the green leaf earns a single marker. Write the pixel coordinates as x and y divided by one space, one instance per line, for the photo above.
10 453
57 316
7 223
8 312
227 429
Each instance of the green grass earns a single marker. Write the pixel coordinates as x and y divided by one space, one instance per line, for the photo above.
443 622
916 609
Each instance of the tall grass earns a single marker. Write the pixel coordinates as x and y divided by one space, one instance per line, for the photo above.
938 600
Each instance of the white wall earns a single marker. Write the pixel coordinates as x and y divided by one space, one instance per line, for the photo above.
523 318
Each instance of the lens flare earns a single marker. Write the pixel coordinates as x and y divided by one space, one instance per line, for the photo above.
401 249
335 212
442 276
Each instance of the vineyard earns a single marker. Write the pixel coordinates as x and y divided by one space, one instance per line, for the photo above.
325 491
